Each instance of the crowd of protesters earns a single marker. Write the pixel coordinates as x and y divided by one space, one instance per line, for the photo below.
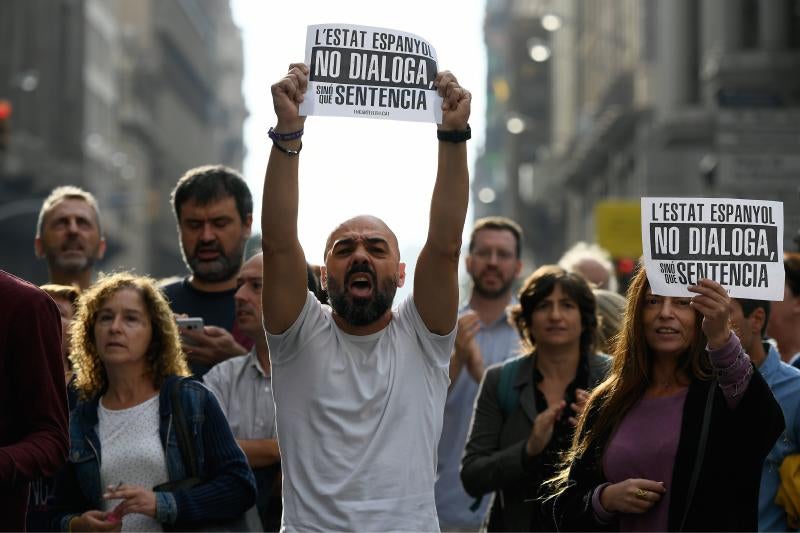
308 401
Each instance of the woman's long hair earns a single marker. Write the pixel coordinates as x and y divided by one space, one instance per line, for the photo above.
630 375
164 354
538 286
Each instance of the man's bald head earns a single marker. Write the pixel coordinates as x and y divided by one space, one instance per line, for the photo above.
361 225
362 270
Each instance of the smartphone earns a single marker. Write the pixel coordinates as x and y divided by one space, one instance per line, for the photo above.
191 322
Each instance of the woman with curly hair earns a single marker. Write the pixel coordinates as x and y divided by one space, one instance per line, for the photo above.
675 438
525 412
126 462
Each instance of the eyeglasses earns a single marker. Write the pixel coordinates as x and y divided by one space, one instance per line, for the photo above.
487 253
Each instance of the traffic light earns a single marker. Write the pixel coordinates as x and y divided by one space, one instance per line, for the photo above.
626 268
5 119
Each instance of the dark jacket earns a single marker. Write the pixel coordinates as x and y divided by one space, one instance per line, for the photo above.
726 496
228 489
495 459
33 400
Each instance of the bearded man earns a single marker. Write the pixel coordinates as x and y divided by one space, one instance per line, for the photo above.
484 338
69 236
359 388
214 210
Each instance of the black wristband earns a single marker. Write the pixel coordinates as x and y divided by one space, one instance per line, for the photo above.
454 136
286 150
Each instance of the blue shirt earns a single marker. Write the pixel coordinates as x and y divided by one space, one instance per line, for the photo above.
784 381
498 341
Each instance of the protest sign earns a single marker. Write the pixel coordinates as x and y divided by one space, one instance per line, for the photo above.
738 243
360 71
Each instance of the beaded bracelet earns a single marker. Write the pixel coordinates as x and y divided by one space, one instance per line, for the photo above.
275 136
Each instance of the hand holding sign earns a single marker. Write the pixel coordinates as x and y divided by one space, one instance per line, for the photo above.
714 303
456 102
287 95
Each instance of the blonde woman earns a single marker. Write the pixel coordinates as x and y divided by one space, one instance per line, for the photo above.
66 299
127 357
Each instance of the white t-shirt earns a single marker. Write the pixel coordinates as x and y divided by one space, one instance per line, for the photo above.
131 452
359 418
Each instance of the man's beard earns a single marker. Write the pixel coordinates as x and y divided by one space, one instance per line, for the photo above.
223 268
361 311
72 264
491 294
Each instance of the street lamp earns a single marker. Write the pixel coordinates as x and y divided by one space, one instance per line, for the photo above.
538 50
515 124
487 195
27 80
552 22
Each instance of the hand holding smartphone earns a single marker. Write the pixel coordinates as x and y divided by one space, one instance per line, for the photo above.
189 324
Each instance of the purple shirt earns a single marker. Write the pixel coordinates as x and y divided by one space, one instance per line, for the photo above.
644 446
645 443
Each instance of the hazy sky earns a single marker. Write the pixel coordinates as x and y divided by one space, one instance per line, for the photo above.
351 166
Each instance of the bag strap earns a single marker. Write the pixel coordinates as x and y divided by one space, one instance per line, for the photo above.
701 450
182 430
507 394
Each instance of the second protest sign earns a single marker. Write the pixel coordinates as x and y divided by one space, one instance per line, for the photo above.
737 243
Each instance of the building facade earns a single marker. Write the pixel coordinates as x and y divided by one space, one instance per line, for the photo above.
518 118
119 98
659 98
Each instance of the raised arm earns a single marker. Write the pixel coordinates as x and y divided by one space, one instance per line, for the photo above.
285 286
436 276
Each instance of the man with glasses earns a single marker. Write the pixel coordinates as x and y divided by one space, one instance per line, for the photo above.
484 338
